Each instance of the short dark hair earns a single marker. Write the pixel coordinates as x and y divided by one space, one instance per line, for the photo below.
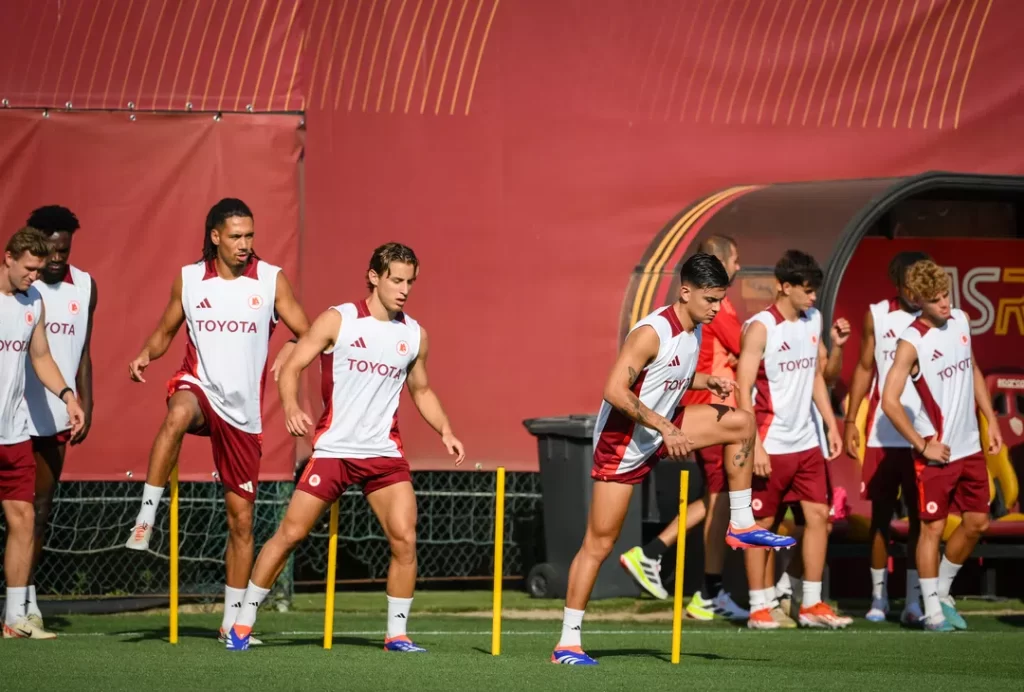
53 218
704 270
387 253
720 246
901 263
799 269
30 240
218 214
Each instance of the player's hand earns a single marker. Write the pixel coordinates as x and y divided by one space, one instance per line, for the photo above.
282 358
851 440
995 439
720 386
79 437
297 422
76 414
936 451
732 361
677 445
454 446
840 332
835 444
762 462
137 367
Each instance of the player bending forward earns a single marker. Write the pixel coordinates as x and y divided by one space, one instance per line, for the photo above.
655 366
935 352
230 301
368 350
783 359
888 465
23 333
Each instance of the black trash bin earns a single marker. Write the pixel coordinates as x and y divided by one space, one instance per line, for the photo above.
566 455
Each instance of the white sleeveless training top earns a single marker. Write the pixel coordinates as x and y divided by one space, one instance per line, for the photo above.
361 381
784 388
945 383
67 323
621 445
19 314
229 324
890 322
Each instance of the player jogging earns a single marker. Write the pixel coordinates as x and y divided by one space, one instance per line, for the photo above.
655 366
888 465
69 296
229 301
719 349
368 350
780 373
23 333
935 352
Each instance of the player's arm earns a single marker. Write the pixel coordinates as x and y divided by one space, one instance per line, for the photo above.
832 360
904 364
293 316
824 405
427 402
720 386
49 374
83 378
859 385
318 338
160 340
752 346
984 402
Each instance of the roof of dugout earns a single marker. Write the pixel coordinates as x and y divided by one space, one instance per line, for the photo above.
827 219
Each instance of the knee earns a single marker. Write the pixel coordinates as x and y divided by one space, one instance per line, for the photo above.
403 544
178 419
932 530
816 516
20 518
43 507
290 534
240 526
598 546
743 425
976 525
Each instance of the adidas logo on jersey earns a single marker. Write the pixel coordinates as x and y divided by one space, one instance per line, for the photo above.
675 362
359 343
936 355
890 334
784 347
247 486
204 304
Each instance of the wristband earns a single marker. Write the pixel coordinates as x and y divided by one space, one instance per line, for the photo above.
63 392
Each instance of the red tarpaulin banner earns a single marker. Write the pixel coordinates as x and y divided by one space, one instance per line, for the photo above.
141 190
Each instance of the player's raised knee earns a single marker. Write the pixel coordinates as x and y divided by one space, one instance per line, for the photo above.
740 424
179 417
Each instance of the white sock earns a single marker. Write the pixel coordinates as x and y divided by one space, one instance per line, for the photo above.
769 597
398 616
150 499
947 573
757 601
572 628
232 604
740 514
913 588
16 597
783 587
812 594
32 607
254 596
930 591
879 577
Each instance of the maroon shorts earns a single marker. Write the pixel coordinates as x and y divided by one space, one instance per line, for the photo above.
607 459
886 470
17 472
797 477
959 486
327 478
61 438
711 460
236 453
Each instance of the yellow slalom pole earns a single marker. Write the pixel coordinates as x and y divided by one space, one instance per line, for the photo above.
499 552
677 609
174 555
332 573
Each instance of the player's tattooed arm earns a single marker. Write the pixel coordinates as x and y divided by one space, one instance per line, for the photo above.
620 391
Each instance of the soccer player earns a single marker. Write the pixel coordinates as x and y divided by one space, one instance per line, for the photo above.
935 353
888 466
230 301
69 296
719 349
781 360
655 366
368 350
23 333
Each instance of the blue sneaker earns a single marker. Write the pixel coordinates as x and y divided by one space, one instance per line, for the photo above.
937 625
952 617
572 656
403 644
236 642
756 537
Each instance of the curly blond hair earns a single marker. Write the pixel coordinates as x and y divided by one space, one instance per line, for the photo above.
926 280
